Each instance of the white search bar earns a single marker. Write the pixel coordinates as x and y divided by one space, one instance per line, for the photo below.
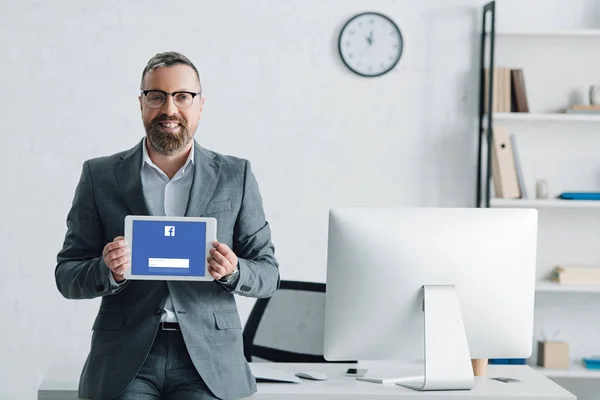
168 263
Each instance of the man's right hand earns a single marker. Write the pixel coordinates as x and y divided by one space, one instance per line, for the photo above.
116 257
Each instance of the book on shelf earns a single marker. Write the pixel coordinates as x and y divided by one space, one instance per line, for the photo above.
593 109
518 92
577 274
518 167
504 168
509 94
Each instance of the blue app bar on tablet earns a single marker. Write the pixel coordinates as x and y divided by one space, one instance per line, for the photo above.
168 248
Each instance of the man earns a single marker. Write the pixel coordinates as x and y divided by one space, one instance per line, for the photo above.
157 339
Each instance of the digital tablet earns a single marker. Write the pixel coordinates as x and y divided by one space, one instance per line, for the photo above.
169 248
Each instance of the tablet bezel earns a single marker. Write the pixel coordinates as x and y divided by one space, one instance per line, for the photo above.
211 235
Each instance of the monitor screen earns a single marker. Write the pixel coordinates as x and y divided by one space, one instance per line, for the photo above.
380 259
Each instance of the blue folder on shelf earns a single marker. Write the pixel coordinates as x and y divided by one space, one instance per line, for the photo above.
580 196
592 362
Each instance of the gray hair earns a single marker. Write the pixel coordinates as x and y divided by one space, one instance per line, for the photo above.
168 59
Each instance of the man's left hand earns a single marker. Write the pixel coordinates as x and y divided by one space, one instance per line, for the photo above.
222 260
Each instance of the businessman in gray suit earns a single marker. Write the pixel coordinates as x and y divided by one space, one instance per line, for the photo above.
167 339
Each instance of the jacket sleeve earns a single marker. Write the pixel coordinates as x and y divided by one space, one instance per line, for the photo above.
80 271
259 270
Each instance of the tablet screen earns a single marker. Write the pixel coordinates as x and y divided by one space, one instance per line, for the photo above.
167 248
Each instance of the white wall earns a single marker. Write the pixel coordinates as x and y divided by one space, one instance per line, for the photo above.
276 93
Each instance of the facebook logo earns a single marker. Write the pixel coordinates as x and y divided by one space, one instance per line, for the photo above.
169 231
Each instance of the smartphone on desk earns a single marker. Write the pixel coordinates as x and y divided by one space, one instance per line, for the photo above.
355 372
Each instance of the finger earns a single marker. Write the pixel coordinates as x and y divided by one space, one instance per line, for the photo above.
121 270
218 268
113 255
107 249
118 242
226 251
115 245
221 259
214 273
119 252
116 263
221 248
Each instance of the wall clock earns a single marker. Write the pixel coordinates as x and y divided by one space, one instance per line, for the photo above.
370 44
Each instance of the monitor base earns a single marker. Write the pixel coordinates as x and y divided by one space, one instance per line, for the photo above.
447 358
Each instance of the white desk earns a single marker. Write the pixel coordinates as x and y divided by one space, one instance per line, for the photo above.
61 383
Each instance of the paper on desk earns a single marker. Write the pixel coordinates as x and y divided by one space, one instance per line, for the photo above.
266 374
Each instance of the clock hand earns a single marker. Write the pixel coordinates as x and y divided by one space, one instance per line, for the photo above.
370 38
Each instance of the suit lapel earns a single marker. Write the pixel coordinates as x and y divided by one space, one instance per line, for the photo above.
129 179
206 176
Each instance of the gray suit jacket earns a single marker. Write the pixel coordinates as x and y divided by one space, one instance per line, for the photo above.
110 188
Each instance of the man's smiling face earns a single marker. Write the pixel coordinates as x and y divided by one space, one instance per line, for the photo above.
169 128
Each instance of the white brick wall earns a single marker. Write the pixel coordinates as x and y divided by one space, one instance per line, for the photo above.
276 93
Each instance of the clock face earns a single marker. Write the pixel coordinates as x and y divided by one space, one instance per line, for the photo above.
370 44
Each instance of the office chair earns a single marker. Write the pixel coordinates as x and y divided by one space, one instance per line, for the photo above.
289 326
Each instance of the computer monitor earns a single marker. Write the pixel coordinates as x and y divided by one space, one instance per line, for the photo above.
440 285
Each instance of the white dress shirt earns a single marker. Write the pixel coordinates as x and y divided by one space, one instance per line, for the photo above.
168 197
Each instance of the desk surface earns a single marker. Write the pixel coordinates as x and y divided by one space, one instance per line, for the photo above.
61 383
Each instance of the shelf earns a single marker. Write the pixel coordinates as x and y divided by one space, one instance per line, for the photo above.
550 203
576 370
565 33
548 286
543 117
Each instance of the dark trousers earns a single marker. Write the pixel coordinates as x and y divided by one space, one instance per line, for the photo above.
168 373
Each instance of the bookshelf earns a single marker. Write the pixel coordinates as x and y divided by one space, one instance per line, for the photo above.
563 149
553 287
544 117
580 33
546 203
576 370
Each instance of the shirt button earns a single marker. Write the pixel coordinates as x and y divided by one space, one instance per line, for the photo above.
158 311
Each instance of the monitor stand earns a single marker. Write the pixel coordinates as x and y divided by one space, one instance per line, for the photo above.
447 358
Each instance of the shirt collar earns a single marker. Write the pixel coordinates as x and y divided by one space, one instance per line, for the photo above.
147 160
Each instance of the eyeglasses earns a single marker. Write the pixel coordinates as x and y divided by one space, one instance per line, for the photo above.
157 98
